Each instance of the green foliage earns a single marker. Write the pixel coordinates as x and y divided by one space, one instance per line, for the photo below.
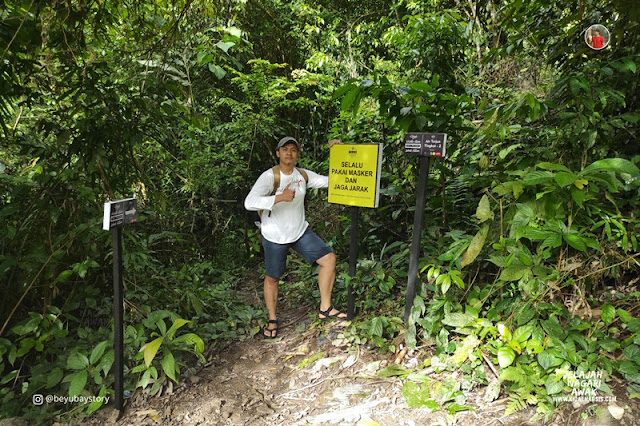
36 361
530 241
379 331
172 348
434 395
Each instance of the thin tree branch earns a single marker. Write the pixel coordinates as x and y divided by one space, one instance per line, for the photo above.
24 18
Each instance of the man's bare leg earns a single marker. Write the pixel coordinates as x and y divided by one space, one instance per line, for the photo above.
271 300
326 279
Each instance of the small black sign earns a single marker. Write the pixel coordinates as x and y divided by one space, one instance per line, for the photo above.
426 144
119 213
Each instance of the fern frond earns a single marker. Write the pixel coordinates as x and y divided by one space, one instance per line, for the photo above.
515 404
515 374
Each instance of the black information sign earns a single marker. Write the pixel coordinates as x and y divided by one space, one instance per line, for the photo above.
120 212
116 214
426 144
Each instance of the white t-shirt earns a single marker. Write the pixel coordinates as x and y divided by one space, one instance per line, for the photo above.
286 223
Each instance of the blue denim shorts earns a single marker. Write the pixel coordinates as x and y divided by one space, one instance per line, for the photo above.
310 246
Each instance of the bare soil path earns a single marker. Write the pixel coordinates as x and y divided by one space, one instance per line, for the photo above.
301 378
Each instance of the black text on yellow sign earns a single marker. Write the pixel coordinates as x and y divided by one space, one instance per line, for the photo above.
354 175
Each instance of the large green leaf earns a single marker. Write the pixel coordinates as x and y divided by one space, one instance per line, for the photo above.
552 240
218 71
204 57
632 353
513 272
349 100
78 383
553 327
554 384
475 246
630 65
574 85
537 177
608 314
106 362
575 241
618 165
565 178
150 350
97 352
458 319
578 195
547 360
523 333
377 328
193 339
535 234
77 361
483 212
225 46
506 356
145 379
169 366
625 316
553 166
526 210
628 367
342 90
97 403
179 322
444 281
609 344
54 377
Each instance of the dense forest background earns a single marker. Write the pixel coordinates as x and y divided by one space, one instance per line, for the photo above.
530 246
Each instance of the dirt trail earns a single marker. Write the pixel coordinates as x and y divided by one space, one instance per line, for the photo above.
277 382
301 378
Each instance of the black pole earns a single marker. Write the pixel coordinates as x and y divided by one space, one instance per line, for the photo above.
353 260
418 221
118 346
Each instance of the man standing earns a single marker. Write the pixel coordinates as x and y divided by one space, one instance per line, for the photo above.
284 226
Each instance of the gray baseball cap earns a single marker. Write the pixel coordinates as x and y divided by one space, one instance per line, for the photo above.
286 140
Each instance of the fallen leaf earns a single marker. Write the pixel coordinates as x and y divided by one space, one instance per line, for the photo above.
349 361
151 413
616 412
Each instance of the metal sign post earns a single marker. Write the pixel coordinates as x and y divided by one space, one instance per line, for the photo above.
118 327
426 145
353 261
117 214
418 220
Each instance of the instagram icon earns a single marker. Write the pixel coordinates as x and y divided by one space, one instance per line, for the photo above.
38 399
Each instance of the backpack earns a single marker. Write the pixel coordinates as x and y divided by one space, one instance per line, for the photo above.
276 182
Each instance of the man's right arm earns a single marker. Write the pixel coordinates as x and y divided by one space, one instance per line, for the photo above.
259 197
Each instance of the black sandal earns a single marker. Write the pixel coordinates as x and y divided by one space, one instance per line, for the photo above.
271 331
328 316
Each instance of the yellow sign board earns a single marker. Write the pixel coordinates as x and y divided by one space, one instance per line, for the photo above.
354 174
